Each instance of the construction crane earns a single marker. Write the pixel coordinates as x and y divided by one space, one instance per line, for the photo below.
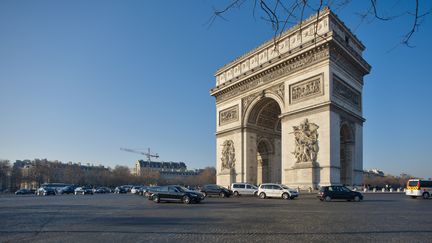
148 154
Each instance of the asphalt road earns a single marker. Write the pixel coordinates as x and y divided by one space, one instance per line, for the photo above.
131 218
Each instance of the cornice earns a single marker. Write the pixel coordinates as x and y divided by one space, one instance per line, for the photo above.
323 13
307 58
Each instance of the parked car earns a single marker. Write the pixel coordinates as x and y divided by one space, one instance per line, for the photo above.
102 190
244 189
215 190
66 190
135 189
120 189
328 193
176 193
24 192
276 190
142 190
84 190
150 190
45 191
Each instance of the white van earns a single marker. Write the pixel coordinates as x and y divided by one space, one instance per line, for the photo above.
244 189
419 188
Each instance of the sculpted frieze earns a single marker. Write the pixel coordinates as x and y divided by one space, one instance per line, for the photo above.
306 89
229 115
276 72
343 91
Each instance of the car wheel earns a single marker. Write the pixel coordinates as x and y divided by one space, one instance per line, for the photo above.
285 196
186 199
222 194
356 199
255 194
262 195
327 198
236 194
156 199
425 195
292 198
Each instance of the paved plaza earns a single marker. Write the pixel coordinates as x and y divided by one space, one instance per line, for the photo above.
130 218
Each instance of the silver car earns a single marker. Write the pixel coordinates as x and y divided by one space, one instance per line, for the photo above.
244 189
276 190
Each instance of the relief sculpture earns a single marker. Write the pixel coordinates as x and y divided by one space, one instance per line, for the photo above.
306 142
228 155
228 115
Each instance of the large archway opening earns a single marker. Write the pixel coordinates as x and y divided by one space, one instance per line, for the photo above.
265 124
346 158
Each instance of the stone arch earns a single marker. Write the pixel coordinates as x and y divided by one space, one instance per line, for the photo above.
262 123
260 99
346 153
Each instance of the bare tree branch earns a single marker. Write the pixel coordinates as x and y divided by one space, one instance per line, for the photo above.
282 14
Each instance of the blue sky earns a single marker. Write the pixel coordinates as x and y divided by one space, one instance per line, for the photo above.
80 79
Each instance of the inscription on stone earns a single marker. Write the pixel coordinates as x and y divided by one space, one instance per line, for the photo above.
229 115
346 93
306 89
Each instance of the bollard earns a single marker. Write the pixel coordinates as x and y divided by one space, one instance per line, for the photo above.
383 190
398 190
374 190
365 190
298 189
310 189
391 189
404 189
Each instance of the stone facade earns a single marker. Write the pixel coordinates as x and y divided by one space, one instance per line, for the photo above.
292 113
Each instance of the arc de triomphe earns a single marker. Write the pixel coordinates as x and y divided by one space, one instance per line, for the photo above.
293 114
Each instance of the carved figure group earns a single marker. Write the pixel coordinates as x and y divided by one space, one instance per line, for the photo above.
306 142
228 155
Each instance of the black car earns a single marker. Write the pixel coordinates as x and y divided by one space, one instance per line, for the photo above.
176 193
45 191
120 189
24 191
102 190
150 190
215 190
66 190
328 193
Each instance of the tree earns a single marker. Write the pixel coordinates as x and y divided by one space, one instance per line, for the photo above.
281 14
121 175
5 173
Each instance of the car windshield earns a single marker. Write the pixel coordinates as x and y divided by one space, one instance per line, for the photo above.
285 187
182 189
412 183
345 189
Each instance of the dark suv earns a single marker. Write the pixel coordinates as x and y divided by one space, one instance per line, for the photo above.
215 190
176 193
329 193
